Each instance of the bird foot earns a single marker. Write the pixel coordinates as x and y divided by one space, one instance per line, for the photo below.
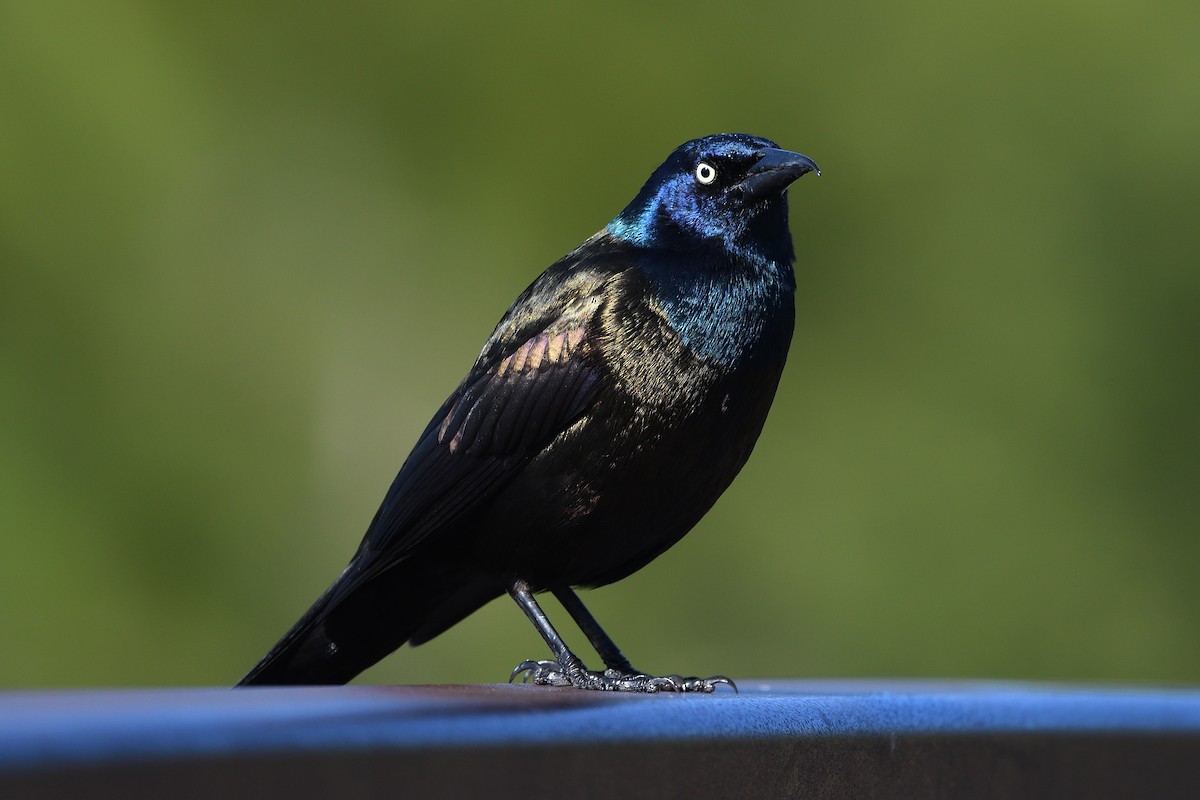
552 673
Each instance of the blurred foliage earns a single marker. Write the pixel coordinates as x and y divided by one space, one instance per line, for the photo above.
247 249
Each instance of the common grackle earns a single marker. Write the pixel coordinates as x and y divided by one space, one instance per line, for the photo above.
616 399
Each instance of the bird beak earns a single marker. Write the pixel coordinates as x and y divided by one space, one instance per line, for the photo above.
774 172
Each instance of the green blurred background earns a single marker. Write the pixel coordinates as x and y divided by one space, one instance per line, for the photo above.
247 249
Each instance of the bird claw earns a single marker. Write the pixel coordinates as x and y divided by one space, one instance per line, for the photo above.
552 673
541 673
708 685
676 683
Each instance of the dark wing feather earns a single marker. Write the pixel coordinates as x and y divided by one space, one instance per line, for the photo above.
534 379
537 376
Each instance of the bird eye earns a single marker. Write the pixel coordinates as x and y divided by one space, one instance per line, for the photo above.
705 173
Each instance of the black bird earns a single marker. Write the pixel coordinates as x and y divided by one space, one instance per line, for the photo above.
616 399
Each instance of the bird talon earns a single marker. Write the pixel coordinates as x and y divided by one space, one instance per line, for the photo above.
717 680
524 668
542 673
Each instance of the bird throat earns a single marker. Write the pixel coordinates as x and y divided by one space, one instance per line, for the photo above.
722 311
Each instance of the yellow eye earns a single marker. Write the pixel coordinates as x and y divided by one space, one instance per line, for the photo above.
706 173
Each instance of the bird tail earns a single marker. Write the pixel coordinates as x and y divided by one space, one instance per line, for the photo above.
308 654
360 619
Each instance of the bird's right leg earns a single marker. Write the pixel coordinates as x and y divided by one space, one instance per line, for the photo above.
619 668
607 649
568 670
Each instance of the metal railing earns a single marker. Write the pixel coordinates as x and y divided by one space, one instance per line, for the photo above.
828 739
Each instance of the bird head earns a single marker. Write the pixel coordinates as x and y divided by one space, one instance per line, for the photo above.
728 189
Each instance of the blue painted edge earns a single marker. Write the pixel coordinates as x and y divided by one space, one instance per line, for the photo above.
41 729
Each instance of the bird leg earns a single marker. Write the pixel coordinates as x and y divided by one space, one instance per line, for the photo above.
618 665
568 670
614 659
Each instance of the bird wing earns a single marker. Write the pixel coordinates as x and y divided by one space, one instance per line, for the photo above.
534 379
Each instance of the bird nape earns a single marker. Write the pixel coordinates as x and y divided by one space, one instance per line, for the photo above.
617 398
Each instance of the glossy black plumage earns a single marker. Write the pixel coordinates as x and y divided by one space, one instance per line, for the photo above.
616 399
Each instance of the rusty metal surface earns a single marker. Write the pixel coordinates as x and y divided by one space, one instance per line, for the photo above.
775 739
